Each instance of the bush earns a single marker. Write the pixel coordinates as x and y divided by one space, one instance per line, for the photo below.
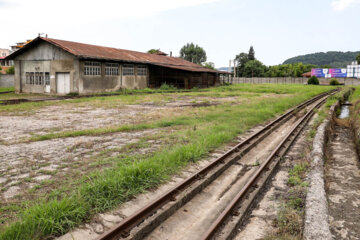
10 70
334 82
164 86
313 81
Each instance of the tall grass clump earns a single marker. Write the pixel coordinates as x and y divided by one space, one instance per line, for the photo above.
167 87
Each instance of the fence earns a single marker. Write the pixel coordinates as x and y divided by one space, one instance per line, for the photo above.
286 80
7 80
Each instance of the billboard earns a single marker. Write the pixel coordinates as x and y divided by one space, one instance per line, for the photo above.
319 72
338 73
329 73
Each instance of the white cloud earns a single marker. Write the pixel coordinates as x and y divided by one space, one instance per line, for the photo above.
340 5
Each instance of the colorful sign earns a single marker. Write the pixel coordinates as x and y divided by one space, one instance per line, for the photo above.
329 73
319 72
338 73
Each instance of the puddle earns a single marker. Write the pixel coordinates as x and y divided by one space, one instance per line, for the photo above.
345 111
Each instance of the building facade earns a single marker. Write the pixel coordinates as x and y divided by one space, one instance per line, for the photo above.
60 67
353 70
5 64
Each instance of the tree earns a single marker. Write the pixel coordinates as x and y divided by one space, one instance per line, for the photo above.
193 53
209 65
254 68
154 51
241 60
10 70
251 54
358 59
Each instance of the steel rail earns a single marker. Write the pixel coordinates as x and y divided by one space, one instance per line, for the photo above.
252 181
123 228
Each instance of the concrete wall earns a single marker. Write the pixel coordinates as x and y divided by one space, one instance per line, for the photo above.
101 83
7 80
323 81
44 58
104 83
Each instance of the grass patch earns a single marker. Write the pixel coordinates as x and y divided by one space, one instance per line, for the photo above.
106 188
7 89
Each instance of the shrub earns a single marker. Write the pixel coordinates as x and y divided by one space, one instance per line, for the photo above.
313 80
164 86
334 82
10 70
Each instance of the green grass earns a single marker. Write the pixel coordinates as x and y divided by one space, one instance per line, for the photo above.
133 174
6 89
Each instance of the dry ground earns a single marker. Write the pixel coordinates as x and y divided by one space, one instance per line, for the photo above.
31 169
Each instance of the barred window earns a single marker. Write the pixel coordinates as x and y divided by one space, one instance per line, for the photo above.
141 70
37 78
92 68
128 70
111 69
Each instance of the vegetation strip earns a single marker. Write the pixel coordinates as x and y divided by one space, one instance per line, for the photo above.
104 190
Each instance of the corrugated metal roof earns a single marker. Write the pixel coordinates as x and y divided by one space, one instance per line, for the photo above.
88 51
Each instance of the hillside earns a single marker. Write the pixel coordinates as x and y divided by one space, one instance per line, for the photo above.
334 59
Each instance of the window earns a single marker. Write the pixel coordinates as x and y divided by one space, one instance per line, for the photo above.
47 78
128 70
37 78
141 70
111 69
92 68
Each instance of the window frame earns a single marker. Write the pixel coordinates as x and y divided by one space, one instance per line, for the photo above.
92 68
37 78
128 70
112 69
143 71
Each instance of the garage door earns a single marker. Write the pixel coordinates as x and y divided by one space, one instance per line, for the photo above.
63 83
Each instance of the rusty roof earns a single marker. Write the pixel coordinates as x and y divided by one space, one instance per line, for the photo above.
87 51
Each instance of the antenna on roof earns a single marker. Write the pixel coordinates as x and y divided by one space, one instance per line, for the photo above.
41 34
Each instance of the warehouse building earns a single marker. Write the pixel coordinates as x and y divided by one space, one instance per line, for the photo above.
54 66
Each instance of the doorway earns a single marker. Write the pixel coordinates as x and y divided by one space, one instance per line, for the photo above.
63 83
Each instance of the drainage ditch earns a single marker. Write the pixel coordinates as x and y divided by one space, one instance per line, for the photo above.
342 177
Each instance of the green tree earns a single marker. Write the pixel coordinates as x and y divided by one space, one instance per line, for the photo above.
154 51
358 59
289 70
209 65
0 69
241 60
251 54
254 68
10 70
193 53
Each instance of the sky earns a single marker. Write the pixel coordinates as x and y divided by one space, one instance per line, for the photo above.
277 29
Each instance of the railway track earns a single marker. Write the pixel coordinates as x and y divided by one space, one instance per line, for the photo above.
222 217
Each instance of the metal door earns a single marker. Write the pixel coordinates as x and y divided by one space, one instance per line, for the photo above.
63 83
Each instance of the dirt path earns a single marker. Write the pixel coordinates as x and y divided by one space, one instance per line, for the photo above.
342 176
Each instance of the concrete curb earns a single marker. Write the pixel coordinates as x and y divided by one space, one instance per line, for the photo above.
316 211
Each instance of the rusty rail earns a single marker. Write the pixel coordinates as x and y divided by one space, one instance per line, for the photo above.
209 234
123 228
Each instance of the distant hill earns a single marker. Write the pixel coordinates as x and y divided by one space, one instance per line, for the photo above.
226 69
334 59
